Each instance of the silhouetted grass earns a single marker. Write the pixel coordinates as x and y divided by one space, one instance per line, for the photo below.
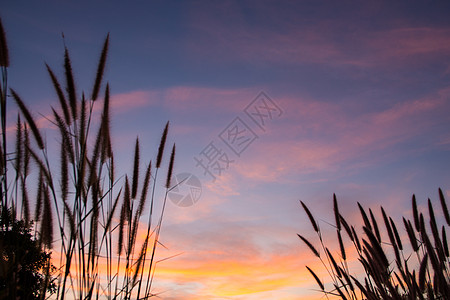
419 273
78 193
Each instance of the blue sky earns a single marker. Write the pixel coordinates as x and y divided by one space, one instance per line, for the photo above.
364 91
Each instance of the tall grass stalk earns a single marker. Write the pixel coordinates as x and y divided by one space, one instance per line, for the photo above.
81 190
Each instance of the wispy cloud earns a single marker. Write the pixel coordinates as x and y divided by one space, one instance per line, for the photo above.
332 41
203 99
124 102
322 136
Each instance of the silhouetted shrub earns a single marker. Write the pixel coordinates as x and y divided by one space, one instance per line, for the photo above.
23 263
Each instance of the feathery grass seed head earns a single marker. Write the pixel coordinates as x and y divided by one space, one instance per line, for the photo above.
375 225
4 55
336 212
61 97
415 213
135 180
70 84
311 247
364 216
316 278
26 113
47 220
444 207
346 227
310 216
341 245
100 69
170 171
161 146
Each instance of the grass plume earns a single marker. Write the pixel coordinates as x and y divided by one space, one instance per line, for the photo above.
135 181
310 216
170 170
70 84
26 113
4 53
162 144
59 92
100 69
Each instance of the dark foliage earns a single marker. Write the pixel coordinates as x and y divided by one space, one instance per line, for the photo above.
23 264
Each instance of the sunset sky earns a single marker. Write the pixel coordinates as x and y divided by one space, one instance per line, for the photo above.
354 98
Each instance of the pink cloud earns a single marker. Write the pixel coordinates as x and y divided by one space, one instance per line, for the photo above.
184 98
296 46
406 42
325 136
324 41
120 103
135 99
316 136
